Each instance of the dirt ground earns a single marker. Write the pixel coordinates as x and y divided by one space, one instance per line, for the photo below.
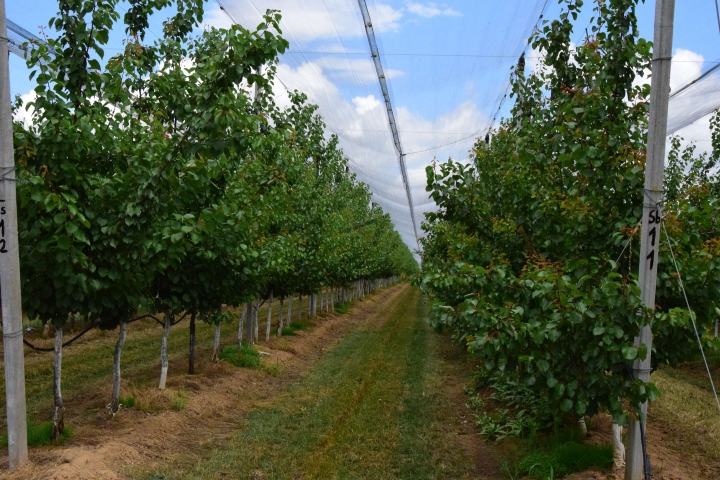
215 402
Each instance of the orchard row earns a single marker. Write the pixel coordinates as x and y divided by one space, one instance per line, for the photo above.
169 180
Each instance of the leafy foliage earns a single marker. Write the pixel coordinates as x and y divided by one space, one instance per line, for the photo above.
530 257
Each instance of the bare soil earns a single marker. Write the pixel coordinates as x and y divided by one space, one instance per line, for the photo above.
215 400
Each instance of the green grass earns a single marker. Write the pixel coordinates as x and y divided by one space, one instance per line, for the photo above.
87 364
565 458
247 357
127 402
364 411
40 434
293 327
342 308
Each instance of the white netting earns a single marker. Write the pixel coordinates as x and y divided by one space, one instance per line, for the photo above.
445 84
445 87
695 100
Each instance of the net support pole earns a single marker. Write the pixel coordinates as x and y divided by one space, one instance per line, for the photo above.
10 271
652 208
388 106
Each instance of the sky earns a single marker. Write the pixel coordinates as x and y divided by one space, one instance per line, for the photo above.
447 65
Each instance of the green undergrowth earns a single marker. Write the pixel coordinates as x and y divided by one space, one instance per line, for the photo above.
293 327
369 409
561 458
342 308
247 357
127 402
511 411
39 434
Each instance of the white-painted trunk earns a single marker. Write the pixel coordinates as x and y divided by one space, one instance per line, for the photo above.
268 323
300 307
618 447
59 411
241 324
46 329
280 317
115 399
582 426
216 345
163 351
289 314
332 299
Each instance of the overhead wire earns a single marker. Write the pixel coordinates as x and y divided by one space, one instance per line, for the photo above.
375 53
691 313
507 87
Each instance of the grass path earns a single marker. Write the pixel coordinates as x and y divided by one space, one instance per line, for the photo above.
364 411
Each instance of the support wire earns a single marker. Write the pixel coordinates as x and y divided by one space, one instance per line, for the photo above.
388 106
692 315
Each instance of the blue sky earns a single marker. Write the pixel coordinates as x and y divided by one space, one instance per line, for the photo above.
447 65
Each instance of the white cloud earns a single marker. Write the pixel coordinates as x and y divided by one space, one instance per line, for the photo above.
365 104
384 17
24 114
356 70
686 67
362 126
431 10
310 20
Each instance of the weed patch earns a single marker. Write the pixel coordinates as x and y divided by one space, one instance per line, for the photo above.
39 434
178 401
564 459
247 357
342 308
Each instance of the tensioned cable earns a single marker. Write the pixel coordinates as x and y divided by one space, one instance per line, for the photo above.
507 88
17 45
690 311
688 85
717 13
388 105
418 54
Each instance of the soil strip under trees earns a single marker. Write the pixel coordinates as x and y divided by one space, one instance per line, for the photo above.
383 342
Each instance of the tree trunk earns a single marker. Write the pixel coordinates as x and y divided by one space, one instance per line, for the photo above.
280 317
300 307
618 447
46 329
268 323
59 412
248 327
289 314
115 399
163 350
241 324
191 360
72 322
332 299
311 300
256 323
216 345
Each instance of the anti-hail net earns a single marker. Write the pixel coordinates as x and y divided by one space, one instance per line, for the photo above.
444 87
